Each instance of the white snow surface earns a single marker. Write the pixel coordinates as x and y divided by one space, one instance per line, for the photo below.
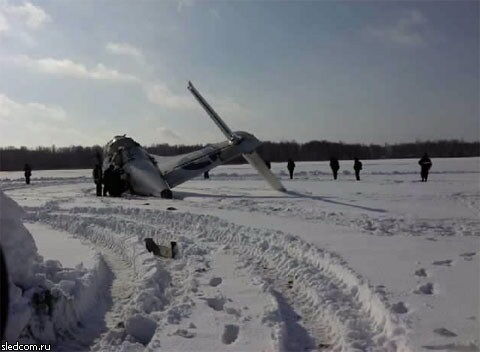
61 246
384 264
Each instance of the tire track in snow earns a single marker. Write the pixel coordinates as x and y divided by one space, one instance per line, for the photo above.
121 288
325 289
179 303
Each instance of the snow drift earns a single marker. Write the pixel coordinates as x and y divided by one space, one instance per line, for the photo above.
47 302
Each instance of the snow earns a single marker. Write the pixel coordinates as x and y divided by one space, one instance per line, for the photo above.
61 246
384 264
47 301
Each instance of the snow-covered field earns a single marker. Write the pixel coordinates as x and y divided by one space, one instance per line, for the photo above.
385 264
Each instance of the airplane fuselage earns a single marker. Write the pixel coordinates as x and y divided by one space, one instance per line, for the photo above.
151 175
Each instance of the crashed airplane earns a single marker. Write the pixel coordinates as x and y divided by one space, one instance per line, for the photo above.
146 174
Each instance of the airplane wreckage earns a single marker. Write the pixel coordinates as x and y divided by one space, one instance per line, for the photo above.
147 174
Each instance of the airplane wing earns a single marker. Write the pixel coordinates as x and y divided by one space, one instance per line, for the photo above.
180 168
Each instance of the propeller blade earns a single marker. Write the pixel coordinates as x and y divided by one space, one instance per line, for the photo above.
257 162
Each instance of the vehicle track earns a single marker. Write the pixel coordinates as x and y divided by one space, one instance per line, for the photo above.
338 307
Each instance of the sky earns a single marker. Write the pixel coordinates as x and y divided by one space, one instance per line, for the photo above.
79 72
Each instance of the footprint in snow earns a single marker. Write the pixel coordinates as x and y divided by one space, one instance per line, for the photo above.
230 334
471 347
421 272
400 308
215 303
234 312
467 256
444 332
380 289
447 262
184 333
426 289
214 282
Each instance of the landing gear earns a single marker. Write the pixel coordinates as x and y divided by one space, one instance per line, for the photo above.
166 194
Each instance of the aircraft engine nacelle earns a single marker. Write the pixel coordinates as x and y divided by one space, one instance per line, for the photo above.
144 178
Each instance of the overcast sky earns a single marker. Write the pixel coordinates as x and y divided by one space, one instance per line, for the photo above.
80 72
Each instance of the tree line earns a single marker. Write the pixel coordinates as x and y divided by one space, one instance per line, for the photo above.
78 157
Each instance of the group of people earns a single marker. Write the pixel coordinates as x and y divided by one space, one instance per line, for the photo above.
110 180
334 165
112 183
425 165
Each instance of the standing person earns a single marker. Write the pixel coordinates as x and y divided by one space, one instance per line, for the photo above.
357 166
117 184
290 167
425 165
98 178
107 180
28 172
269 165
335 166
206 176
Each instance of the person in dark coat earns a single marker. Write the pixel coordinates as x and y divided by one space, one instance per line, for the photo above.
105 180
290 167
117 185
357 166
98 178
425 165
269 165
335 166
28 172
206 176
108 176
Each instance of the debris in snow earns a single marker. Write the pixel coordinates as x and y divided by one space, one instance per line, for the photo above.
159 250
